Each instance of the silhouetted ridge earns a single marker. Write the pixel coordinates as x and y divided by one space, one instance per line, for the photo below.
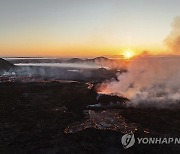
5 65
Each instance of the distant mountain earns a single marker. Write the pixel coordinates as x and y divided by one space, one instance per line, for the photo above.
57 60
94 60
101 58
5 65
102 61
75 60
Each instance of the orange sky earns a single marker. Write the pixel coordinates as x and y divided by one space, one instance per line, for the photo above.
84 28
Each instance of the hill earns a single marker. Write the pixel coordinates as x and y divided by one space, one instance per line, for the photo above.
5 65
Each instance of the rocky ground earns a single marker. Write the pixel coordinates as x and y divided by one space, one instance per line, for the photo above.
34 117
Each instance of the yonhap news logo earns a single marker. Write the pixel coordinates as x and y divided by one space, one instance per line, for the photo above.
128 140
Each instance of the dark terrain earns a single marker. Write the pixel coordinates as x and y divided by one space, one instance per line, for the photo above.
46 114
5 65
34 116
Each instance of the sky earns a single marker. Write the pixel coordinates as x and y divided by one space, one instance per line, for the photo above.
67 28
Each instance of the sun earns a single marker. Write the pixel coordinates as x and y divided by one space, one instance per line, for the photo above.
128 54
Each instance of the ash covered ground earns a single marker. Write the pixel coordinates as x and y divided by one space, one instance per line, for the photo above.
57 115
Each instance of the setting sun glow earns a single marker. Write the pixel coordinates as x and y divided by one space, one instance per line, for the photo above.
128 54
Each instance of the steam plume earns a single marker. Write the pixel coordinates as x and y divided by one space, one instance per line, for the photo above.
149 80
173 39
152 80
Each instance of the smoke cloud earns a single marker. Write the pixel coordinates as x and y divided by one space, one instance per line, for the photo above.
151 80
173 39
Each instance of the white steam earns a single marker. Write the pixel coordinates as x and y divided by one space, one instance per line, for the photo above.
173 39
152 80
62 65
149 80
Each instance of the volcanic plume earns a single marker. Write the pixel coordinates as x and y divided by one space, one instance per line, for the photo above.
173 39
151 80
